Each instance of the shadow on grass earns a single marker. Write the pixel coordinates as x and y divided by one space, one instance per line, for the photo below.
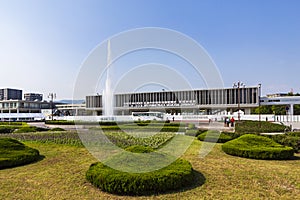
295 157
39 158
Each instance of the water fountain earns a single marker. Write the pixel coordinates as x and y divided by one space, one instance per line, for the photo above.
107 96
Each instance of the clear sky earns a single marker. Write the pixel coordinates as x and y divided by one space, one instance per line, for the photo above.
43 43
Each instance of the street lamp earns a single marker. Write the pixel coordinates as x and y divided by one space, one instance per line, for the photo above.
238 85
52 96
259 96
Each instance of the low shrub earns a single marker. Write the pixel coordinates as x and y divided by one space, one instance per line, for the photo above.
57 129
244 127
7 129
60 122
257 147
26 129
291 139
57 137
191 126
177 175
12 123
212 136
14 153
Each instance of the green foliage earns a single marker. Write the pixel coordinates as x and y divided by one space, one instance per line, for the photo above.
14 153
57 129
195 132
152 127
60 122
7 129
125 140
191 126
215 136
274 109
139 149
12 123
243 127
64 137
175 176
291 139
257 147
26 129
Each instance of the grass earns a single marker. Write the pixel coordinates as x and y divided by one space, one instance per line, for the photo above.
61 175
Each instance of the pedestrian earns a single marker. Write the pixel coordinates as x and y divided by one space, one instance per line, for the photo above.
232 122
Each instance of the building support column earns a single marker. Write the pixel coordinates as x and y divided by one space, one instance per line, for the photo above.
247 111
291 109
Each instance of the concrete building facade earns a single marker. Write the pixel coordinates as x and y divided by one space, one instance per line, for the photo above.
206 101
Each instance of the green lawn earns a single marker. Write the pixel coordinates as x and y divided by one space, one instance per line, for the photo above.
61 175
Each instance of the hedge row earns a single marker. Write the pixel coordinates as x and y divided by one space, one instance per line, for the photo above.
12 123
210 136
243 127
14 153
257 147
142 128
177 175
195 132
291 139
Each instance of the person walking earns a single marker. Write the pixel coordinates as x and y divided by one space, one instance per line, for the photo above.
232 122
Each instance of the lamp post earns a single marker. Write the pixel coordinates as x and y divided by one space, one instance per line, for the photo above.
238 85
51 96
259 96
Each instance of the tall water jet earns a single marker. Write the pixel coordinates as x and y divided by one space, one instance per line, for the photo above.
108 97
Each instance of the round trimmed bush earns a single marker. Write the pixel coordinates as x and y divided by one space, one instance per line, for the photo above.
224 137
177 175
14 153
257 147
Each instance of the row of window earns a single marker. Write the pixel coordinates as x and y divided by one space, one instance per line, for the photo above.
247 95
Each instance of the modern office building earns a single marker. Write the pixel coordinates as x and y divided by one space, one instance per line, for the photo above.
205 101
33 97
10 94
15 110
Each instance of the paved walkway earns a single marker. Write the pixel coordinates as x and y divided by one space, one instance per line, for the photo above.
216 126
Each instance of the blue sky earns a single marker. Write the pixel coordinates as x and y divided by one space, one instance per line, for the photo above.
44 43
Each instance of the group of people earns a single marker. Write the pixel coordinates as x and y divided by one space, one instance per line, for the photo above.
229 122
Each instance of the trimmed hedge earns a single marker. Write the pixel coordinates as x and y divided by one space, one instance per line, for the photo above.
14 153
7 129
243 127
12 123
57 129
257 147
26 129
224 137
175 176
60 122
142 128
291 139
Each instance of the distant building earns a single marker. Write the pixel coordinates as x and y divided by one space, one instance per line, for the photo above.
33 97
10 94
277 95
211 101
21 110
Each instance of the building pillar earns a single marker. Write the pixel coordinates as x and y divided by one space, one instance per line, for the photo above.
291 109
247 111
